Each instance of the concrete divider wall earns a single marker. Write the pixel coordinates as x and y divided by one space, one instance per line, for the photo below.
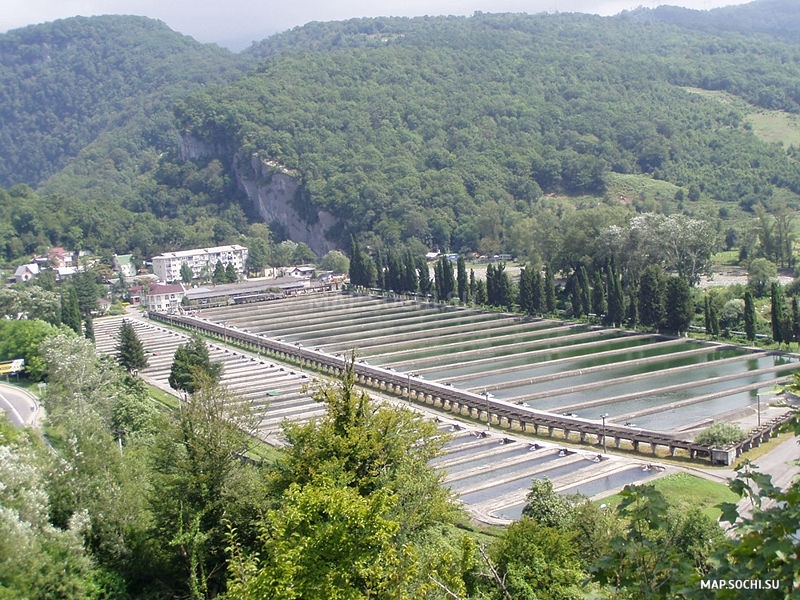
463 402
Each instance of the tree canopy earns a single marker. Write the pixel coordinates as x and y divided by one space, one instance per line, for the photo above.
489 133
130 350
192 368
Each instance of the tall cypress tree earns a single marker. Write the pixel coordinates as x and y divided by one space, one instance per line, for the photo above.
599 305
749 315
549 291
481 298
503 293
130 351
573 286
362 268
438 279
411 282
776 312
526 290
678 305
70 311
537 292
714 318
632 307
88 328
86 292
461 279
616 299
651 296
425 283
473 290
395 273
710 316
445 281
370 270
356 272
491 293
584 290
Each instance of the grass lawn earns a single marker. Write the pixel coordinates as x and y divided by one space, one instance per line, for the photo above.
686 491
640 187
163 398
726 258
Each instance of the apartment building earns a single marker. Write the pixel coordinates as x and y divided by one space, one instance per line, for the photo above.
167 266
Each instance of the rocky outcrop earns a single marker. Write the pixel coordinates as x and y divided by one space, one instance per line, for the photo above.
190 148
274 191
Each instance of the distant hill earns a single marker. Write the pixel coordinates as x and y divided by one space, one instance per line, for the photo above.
776 17
433 132
64 83
440 129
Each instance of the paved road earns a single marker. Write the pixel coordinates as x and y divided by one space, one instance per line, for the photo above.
21 406
781 462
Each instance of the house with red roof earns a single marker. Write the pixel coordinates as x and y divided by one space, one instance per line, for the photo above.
163 297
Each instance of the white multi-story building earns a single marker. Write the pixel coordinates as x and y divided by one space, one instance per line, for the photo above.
167 266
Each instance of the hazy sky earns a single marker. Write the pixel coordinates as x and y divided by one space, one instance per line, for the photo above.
235 23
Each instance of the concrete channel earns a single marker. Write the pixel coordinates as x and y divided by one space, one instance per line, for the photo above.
277 390
284 344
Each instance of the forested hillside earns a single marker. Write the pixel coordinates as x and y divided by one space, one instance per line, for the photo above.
66 82
452 130
489 133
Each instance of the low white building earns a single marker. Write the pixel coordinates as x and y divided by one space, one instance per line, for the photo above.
26 272
123 264
167 266
301 272
163 297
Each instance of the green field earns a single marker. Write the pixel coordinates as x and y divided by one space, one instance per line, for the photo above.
628 188
685 491
772 126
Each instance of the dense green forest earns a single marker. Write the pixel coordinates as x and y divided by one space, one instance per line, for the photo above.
489 133
451 130
66 83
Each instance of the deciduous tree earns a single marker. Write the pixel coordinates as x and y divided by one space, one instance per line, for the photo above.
357 489
195 466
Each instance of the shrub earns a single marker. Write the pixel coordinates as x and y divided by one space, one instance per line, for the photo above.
720 434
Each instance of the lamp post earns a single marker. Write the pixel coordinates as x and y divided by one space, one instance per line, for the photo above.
409 375
758 406
603 416
488 414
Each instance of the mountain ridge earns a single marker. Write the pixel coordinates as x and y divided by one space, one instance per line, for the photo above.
436 132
